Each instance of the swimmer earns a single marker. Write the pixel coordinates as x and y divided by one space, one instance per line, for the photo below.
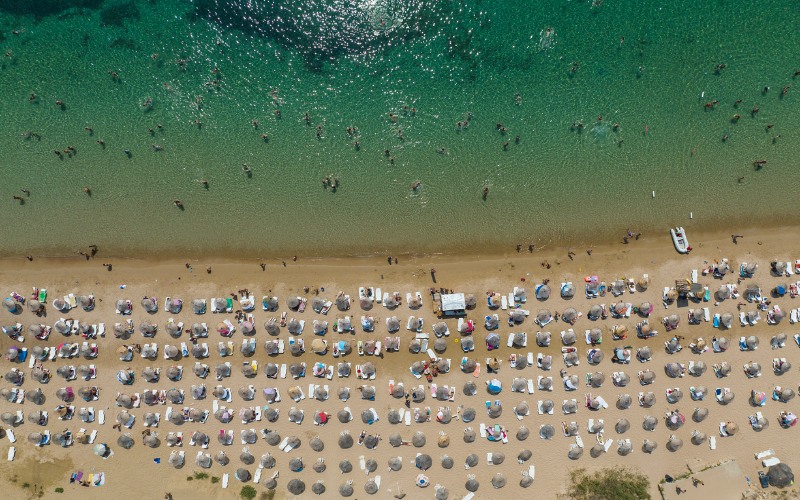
505 146
442 151
385 152
87 190
204 183
307 118
416 185
89 129
102 143
247 169
20 199
32 97
517 139
357 145
254 123
725 138
178 203
26 191
60 103
621 41
755 110
485 195
785 90
736 117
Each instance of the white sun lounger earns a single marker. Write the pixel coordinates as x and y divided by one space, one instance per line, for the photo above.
224 476
483 430
92 436
530 386
706 314
769 462
283 370
764 454
503 302
10 435
11 452
407 417
257 475
101 417
510 341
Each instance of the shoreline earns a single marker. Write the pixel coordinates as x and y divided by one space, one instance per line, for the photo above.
455 253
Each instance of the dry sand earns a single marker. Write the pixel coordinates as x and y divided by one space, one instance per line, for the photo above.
133 472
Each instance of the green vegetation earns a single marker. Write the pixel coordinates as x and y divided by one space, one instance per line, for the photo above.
608 484
200 475
248 492
26 485
59 490
214 479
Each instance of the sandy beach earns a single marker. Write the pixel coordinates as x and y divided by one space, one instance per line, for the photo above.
134 471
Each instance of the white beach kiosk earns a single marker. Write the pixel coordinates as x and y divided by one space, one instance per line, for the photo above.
453 305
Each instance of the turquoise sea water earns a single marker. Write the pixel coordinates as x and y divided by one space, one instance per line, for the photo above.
207 69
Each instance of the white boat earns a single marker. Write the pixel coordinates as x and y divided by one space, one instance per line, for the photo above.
679 239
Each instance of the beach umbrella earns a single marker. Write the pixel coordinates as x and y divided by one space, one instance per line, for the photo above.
35 396
203 460
595 356
568 407
674 443
418 440
622 426
320 327
647 400
121 331
198 306
271 326
176 459
675 420
546 431
246 393
317 304
296 464
440 328
542 292
723 293
519 340
267 461
272 438
423 462
151 440
622 380
645 308
345 440
371 442
674 396
150 419
569 315
371 487
447 462
624 448
470 301
759 424
244 475
727 398
519 385
249 436
368 392
699 414
575 452
722 343
492 341
523 433
395 440
147 328
342 302
726 320
344 393
498 481
222 458
624 401
346 489
597 450
673 370
780 475
752 369
472 484
444 416
61 327
149 374
698 369
568 290
595 311
318 488
173 329
568 338
543 316
752 342
723 369
543 339
571 429
596 379
415 346
649 446
469 435
293 302
125 441
698 437
393 324
649 423
786 395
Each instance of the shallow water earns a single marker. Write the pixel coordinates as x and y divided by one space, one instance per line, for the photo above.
351 63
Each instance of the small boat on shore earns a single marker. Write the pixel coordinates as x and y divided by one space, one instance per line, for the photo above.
680 241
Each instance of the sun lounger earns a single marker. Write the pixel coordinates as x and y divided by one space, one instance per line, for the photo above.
607 445
483 431
224 476
407 417
11 453
92 436
503 302
764 454
10 435
769 462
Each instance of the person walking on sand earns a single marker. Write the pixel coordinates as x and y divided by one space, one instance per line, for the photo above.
735 237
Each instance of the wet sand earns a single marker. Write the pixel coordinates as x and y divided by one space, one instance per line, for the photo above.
652 255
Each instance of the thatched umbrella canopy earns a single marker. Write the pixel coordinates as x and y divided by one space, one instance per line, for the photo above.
346 488
568 338
698 437
571 429
543 339
568 291
674 443
780 475
222 459
272 327
569 315
622 426
318 488
371 441
649 446
647 377
543 316
35 396
472 484
418 440
568 407
345 440
371 487
674 396
546 431
393 324
243 475
596 379
152 441
723 369
786 395
752 369
267 461
495 410
272 438
440 345
296 464
624 401
699 414
597 450
650 423
575 452
498 481
423 462
523 433
469 435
